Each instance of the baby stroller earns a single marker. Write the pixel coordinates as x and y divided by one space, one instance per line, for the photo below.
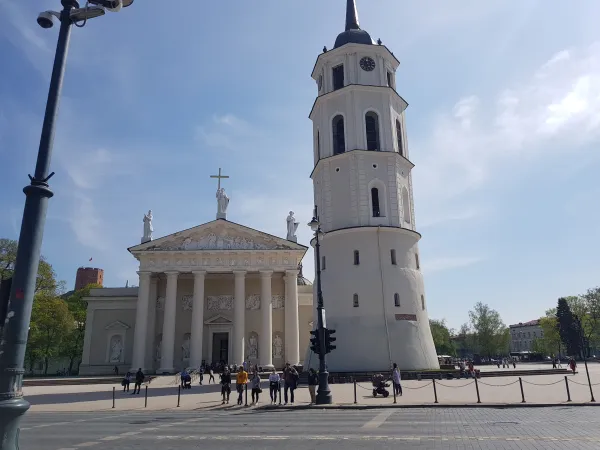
379 386
186 381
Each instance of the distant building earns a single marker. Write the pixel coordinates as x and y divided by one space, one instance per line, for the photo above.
522 335
87 276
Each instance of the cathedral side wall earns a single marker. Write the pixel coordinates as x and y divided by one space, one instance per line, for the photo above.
99 348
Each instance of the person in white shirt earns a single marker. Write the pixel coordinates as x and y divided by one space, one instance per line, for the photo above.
274 380
396 378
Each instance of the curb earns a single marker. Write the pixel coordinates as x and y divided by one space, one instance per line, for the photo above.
426 405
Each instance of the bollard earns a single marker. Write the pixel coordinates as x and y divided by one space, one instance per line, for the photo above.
114 397
179 396
280 393
355 391
146 398
246 391
394 388
568 391
522 392
434 391
477 389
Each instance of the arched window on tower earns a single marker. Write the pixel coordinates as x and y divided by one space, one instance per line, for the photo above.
423 302
397 300
399 137
355 300
406 204
339 141
372 127
375 202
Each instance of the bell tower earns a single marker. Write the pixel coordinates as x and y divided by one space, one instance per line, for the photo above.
371 275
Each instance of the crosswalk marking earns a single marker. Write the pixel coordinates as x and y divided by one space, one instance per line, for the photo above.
379 419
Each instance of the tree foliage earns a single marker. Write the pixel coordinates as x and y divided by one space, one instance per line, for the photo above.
51 323
441 337
550 343
490 333
46 278
567 328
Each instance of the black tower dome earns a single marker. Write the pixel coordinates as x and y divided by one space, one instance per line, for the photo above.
353 33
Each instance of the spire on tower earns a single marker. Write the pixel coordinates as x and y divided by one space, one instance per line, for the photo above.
352 16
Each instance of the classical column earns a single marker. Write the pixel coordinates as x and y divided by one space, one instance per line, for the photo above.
292 329
265 348
141 322
168 334
151 331
239 317
87 338
197 320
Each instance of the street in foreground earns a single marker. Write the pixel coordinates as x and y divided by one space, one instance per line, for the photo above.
420 428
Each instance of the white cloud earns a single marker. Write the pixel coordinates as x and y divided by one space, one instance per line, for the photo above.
225 132
441 264
556 111
90 169
86 224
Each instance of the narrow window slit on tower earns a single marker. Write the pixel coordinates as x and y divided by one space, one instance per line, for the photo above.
397 300
393 255
423 302
356 258
338 77
323 265
399 137
339 140
389 79
355 300
375 202
372 128
417 261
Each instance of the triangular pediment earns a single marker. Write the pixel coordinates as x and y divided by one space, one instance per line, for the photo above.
117 325
218 235
218 320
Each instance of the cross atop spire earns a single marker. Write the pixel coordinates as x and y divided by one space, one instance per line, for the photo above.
352 16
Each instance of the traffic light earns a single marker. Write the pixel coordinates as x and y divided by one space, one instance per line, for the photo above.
315 345
329 340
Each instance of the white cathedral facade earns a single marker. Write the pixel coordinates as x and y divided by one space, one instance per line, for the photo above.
225 292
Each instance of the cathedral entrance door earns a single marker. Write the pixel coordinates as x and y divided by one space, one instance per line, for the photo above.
220 348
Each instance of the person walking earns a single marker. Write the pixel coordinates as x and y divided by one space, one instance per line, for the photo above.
201 374
573 365
240 382
313 382
126 381
225 385
139 379
255 385
396 380
274 380
290 377
211 377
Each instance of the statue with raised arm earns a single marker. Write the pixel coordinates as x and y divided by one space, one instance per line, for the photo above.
147 227
222 203
292 227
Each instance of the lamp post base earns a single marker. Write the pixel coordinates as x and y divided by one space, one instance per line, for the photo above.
11 411
324 396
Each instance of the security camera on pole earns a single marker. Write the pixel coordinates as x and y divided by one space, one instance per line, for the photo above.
37 193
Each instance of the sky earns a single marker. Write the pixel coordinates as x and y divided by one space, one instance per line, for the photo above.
503 129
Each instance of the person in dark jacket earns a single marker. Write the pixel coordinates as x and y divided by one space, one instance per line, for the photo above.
225 385
139 379
313 382
290 377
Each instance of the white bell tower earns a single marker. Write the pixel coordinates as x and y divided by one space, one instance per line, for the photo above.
371 276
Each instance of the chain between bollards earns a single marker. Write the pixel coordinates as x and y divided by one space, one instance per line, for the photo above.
179 396
568 391
113 398
522 391
477 389
434 391
355 391
146 397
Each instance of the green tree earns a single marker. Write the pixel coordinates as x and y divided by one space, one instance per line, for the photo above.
490 333
567 327
551 339
441 337
46 279
51 323
72 346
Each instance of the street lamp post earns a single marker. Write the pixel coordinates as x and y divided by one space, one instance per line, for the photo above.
37 194
324 393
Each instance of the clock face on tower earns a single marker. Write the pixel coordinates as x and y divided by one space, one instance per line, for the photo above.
367 64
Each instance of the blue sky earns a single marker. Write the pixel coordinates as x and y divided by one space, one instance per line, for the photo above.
503 126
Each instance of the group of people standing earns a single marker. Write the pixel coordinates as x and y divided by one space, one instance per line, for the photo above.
139 379
289 378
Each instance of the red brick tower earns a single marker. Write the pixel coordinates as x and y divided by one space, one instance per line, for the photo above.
88 275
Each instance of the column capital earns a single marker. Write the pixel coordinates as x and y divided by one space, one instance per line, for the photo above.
199 273
292 273
144 273
266 273
239 273
172 274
